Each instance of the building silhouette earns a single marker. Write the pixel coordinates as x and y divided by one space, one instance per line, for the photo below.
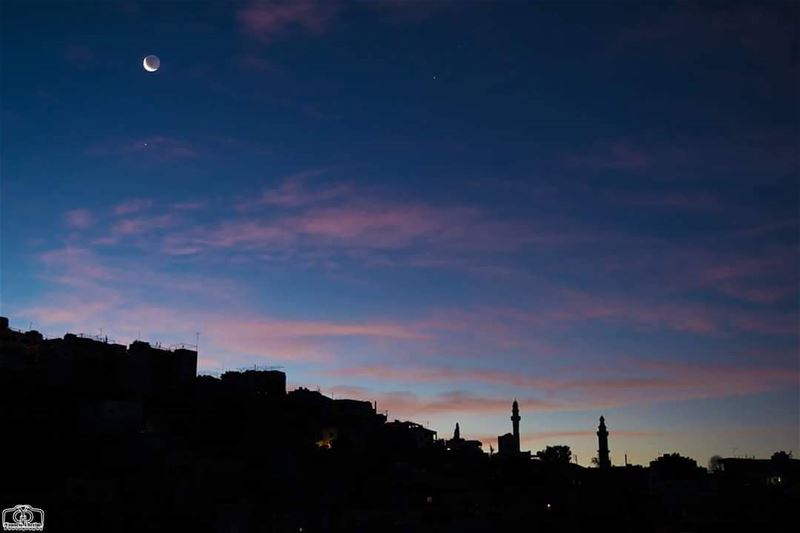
508 444
408 436
603 458
459 444
256 383
102 430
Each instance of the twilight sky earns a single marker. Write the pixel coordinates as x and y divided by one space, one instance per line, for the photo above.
591 207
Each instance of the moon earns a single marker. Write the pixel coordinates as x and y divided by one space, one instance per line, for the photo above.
151 63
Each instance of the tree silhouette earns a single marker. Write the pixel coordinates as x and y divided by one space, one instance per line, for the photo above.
781 456
560 454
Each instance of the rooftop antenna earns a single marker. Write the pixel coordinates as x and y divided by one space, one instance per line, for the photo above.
626 459
197 341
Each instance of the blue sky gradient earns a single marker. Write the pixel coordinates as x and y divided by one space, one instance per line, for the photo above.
591 207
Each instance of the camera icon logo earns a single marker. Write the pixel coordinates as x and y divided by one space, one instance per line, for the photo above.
23 518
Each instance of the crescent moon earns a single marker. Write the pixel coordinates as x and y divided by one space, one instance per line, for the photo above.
151 63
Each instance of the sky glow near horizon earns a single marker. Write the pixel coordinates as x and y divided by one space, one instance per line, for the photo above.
438 207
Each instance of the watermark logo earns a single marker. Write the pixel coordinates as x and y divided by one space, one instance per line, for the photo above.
23 518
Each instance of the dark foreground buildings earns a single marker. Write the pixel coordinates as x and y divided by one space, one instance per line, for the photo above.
104 437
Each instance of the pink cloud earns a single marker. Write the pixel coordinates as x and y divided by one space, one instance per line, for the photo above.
143 224
74 266
784 324
307 328
761 295
758 274
96 293
705 380
306 222
382 226
269 19
360 226
568 308
652 381
89 275
294 191
495 377
78 219
409 405
89 294
574 307
189 206
690 318
738 267
131 206
227 337
764 278
75 312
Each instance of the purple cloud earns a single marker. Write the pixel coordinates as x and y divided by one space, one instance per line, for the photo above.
269 19
78 218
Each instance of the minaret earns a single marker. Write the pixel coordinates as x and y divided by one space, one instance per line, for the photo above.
515 418
602 438
457 433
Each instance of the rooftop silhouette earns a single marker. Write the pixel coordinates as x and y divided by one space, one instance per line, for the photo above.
108 429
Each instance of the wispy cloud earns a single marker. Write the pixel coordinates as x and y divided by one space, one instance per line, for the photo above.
78 218
341 218
134 205
270 19
380 226
766 278
89 291
74 266
144 224
294 191
404 404
647 382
